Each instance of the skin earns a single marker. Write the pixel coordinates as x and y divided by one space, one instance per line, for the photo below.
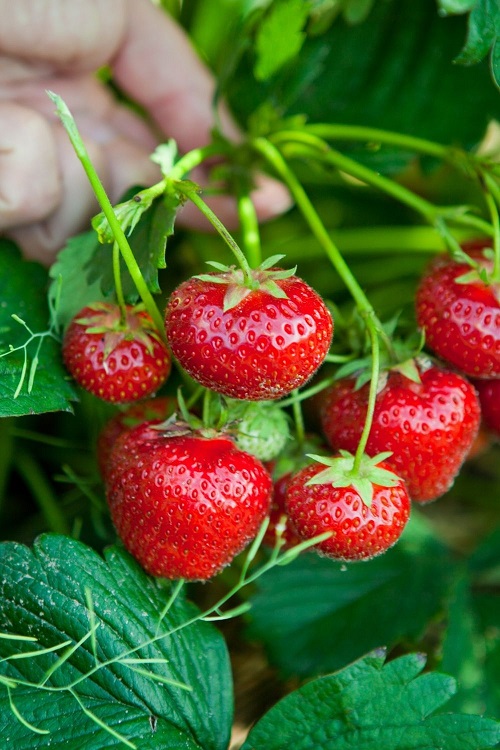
58 45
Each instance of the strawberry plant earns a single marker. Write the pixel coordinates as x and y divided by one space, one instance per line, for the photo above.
243 503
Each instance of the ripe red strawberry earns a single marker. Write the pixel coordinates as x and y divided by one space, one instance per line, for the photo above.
489 398
157 409
461 319
249 343
319 501
278 517
429 426
184 505
118 361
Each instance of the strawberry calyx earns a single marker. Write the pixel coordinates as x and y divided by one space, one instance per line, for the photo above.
483 269
342 472
118 325
240 283
397 354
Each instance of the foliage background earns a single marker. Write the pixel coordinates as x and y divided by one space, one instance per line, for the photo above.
428 69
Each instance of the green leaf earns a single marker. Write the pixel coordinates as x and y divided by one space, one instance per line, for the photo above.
83 270
372 705
463 650
70 285
111 611
450 7
26 390
394 71
316 615
356 11
280 36
483 30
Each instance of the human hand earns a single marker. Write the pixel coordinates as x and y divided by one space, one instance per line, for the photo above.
44 194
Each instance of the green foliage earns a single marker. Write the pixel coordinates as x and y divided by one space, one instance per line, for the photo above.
123 660
316 615
373 705
84 254
395 70
115 652
32 375
280 37
482 32
471 647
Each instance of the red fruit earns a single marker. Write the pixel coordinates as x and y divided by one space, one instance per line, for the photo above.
185 505
262 347
359 531
461 320
118 361
278 517
157 409
489 398
429 426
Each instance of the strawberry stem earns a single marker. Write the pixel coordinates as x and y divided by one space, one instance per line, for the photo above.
492 198
274 157
372 394
191 192
375 136
250 229
373 324
118 282
305 144
69 125
300 432
36 480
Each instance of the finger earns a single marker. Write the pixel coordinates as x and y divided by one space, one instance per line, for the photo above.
30 182
119 163
76 36
42 239
158 67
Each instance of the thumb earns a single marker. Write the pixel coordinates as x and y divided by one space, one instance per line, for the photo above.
30 184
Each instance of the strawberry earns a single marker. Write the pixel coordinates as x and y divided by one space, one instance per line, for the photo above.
489 398
254 342
335 500
118 358
279 523
143 411
261 429
459 311
184 504
429 426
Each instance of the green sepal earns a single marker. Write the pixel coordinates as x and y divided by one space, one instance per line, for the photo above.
340 472
473 277
235 294
271 261
165 155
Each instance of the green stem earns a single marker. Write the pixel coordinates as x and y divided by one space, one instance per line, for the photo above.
276 160
36 480
492 197
118 280
365 308
196 157
135 272
386 137
307 146
300 432
191 193
180 169
320 150
250 230
372 394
